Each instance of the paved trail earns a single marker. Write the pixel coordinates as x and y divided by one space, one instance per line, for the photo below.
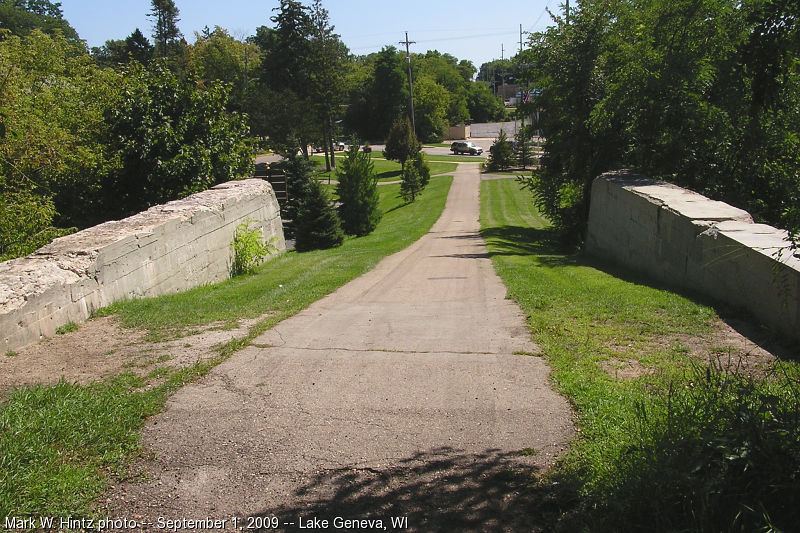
402 394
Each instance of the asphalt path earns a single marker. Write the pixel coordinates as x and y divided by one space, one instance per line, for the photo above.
413 391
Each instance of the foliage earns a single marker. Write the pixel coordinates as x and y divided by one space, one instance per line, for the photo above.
660 87
21 17
249 248
483 106
115 52
166 35
378 103
358 193
523 149
431 101
402 143
500 154
216 55
172 138
317 225
416 175
26 223
298 171
53 98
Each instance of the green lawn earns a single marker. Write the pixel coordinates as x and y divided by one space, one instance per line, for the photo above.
385 169
60 444
666 442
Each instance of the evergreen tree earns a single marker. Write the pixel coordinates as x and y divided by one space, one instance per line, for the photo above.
358 193
500 154
411 185
424 171
401 144
298 173
524 147
317 224
166 34
139 47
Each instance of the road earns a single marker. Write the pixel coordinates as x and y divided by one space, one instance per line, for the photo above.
412 391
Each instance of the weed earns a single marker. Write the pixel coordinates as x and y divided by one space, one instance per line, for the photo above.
11 353
249 248
69 327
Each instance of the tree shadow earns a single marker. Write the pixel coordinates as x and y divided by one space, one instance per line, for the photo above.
438 490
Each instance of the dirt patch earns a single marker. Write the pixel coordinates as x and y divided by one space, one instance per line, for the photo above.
733 345
624 368
101 348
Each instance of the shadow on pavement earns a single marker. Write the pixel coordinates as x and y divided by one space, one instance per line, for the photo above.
439 490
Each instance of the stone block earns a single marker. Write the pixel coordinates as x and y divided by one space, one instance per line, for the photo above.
166 249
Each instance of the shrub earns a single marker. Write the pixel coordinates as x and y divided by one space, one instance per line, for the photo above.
402 143
500 154
249 248
358 193
317 224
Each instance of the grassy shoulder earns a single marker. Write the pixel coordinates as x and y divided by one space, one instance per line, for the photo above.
666 441
59 444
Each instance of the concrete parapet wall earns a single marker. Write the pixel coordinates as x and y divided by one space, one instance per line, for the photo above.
166 249
687 240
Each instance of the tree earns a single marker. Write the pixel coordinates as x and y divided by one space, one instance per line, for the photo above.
115 52
286 104
328 55
172 138
523 149
166 35
483 106
411 185
317 224
431 102
53 99
21 17
358 193
500 153
376 104
298 171
401 144
216 55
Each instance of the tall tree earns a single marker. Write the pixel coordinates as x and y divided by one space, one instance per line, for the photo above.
166 35
285 75
326 74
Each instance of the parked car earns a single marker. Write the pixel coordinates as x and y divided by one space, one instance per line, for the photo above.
461 147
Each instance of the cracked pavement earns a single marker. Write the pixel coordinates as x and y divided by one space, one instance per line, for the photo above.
413 390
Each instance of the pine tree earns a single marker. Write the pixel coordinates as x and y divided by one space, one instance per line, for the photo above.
358 193
298 172
524 147
410 187
500 154
166 34
317 223
402 143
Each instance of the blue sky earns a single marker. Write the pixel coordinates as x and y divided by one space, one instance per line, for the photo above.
467 29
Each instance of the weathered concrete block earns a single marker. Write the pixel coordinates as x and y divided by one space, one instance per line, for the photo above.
168 248
685 239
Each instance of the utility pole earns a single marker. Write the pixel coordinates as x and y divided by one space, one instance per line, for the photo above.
410 83
503 74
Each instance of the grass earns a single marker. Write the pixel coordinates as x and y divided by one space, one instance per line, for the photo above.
293 280
385 169
60 444
676 448
69 327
